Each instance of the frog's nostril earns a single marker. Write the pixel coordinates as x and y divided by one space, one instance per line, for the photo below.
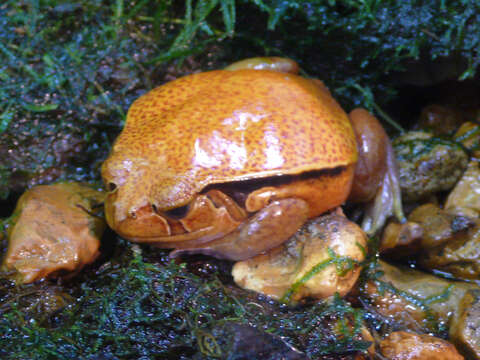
132 214
111 186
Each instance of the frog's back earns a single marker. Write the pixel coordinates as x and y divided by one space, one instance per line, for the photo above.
224 126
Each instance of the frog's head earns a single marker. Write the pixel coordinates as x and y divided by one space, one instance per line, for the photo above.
188 140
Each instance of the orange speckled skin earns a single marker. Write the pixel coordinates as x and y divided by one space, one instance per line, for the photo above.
222 126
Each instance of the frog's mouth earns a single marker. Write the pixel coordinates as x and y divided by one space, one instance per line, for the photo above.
220 208
207 217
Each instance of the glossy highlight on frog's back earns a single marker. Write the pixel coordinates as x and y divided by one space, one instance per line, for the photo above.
222 126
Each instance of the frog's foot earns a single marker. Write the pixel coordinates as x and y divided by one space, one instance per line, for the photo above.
387 200
265 230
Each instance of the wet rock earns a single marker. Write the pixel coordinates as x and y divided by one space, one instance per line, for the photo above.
465 329
400 239
465 197
402 345
441 120
54 231
469 136
321 259
439 226
427 164
248 342
459 256
446 239
439 240
415 300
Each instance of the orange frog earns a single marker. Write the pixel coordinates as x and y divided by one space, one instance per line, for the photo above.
231 163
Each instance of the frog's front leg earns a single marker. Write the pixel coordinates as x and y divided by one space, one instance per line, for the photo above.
266 229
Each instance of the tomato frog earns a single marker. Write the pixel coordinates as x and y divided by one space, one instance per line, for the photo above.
232 162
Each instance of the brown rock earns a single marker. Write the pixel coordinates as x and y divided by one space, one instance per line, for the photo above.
405 296
53 231
402 345
303 266
465 328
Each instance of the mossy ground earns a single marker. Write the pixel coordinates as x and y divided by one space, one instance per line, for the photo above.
145 306
69 71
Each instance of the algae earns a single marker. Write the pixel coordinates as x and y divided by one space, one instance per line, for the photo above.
140 304
69 70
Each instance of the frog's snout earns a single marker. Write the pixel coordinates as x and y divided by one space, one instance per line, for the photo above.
130 221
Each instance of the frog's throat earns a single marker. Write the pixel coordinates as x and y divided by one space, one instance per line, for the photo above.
214 214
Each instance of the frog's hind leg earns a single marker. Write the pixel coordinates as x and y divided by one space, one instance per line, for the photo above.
265 230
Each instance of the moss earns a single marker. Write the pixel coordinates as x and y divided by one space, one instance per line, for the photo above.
343 264
413 149
69 73
349 43
136 306
70 70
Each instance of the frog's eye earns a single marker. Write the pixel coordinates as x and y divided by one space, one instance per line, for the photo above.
177 213
111 187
